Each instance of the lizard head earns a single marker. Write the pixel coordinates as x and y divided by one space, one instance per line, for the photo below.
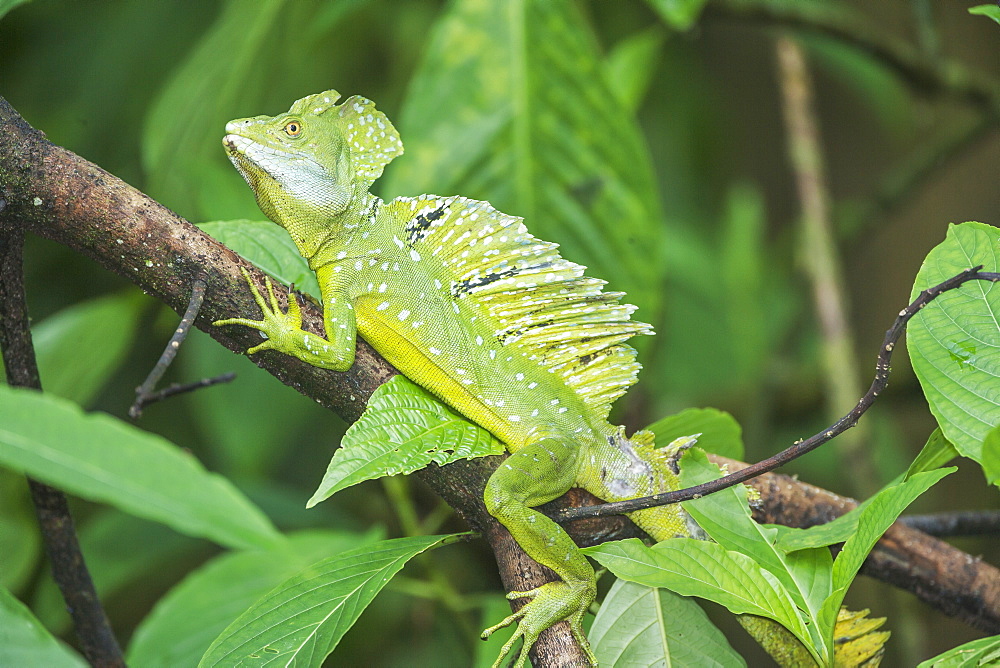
311 161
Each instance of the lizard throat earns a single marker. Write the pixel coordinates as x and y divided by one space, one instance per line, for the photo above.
268 169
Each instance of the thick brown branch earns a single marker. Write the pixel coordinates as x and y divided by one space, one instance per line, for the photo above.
87 209
63 197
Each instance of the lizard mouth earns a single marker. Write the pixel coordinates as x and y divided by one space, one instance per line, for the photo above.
240 151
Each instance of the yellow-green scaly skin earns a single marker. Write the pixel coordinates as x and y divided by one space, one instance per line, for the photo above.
429 282
466 303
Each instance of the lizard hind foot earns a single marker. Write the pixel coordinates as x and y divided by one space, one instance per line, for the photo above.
550 604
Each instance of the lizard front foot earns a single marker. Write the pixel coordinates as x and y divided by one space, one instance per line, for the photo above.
551 603
277 327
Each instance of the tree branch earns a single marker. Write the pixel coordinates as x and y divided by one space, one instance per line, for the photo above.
61 196
65 198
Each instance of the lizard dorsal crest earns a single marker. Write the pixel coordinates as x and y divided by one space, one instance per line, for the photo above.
537 300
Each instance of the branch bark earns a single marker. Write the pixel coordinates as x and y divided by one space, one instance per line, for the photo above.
63 197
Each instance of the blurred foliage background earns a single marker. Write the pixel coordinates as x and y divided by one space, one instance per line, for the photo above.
645 137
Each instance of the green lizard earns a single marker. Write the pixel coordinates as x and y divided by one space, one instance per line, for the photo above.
465 302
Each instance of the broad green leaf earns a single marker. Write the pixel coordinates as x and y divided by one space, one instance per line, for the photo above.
103 459
954 342
21 543
269 247
188 618
974 654
403 429
991 456
679 14
991 11
725 516
719 432
301 621
700 568
647 626
632 64
937 452
25 642
881 511
79 347
182 138
7 5
532 125
791 539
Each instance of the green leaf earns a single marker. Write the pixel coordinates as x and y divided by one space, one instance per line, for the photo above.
7 5
188 618
301 621
881 511
720 433
632 63
532 125
699 568
679 14
19 536
103 459
25 642
79 347
648 626
954 342
791 539
937 452
181 146
403 429
974 654
725 516
269 247
991 11
991 456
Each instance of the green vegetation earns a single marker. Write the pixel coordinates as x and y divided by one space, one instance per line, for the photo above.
647 139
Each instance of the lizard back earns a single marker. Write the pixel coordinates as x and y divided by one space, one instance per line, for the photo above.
522 293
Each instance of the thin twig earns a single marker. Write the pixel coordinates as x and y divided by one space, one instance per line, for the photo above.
960 523
33 170
180 388
144 394
820 257
800 447
97 640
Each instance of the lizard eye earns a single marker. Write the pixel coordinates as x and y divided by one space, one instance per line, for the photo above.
293 128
